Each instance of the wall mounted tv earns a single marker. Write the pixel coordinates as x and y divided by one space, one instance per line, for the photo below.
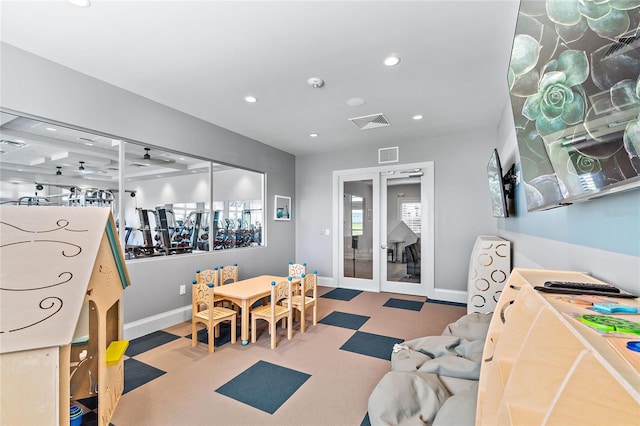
500 186
574 82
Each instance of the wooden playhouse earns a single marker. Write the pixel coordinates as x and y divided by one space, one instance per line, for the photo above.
62 274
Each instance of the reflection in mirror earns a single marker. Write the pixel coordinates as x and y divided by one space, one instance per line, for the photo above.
166 203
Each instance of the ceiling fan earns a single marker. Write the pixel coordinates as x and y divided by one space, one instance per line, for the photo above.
147 160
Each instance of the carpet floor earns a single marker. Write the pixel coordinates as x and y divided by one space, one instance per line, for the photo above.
321 377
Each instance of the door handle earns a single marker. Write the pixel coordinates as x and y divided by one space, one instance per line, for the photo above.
383 247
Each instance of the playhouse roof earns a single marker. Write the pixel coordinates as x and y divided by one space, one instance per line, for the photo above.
47 256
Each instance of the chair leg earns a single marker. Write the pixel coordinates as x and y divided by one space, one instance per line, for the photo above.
217 330
302 312
315 311
233 330
253 329
194 334
272 327
290 324
210 330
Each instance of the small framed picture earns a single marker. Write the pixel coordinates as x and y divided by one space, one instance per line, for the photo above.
282 208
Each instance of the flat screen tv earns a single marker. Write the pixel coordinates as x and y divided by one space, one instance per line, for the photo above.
574 83
497 190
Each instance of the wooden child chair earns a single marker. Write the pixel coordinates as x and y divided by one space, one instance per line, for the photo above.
204 311
274 311
228 275
307 298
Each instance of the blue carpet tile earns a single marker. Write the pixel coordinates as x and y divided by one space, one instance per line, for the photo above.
341 294
366 421
444 302
344 320
225 335
138 373
373 345
264 386
411 305
149 341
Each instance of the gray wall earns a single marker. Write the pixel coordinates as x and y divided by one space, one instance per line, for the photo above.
38 87
600 237
462 205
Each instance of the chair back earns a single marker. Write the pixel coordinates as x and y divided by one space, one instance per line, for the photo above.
309 284
202 295
207 276
228 274
280 291
296 269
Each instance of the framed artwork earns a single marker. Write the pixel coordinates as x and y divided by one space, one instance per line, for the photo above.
282 208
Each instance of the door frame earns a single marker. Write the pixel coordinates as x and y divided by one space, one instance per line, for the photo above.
428 225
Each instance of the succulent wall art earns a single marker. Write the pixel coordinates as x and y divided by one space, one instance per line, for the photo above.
574 80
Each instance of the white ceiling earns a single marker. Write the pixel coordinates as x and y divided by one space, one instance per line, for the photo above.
204 57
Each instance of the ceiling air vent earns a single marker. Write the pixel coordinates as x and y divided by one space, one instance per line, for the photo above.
370 121
388 155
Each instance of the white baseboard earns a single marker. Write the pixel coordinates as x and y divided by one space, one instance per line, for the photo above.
456 296
157 322
327 281
144 326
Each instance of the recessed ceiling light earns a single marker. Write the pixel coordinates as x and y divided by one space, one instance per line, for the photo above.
392 60
80 3
51 129
251 99
355 102
313 135
89 143
418 117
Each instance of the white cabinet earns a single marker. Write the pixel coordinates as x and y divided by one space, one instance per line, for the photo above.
489 268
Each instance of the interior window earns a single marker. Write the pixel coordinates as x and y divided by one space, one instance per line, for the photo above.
167 208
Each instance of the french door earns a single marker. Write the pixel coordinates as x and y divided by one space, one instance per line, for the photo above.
358 264
384 229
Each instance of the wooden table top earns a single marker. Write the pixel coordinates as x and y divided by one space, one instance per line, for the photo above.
251 287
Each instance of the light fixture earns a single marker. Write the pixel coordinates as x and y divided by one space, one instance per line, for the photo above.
251 99
59 172
80 3
392 60
51 129
315 82
313 135
418 117
81 168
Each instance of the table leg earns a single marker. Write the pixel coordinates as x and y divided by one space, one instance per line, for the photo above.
244 327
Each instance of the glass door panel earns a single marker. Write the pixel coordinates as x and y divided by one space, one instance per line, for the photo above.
358 216
402 232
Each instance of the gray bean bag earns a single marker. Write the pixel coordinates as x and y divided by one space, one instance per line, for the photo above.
406 398
433 378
